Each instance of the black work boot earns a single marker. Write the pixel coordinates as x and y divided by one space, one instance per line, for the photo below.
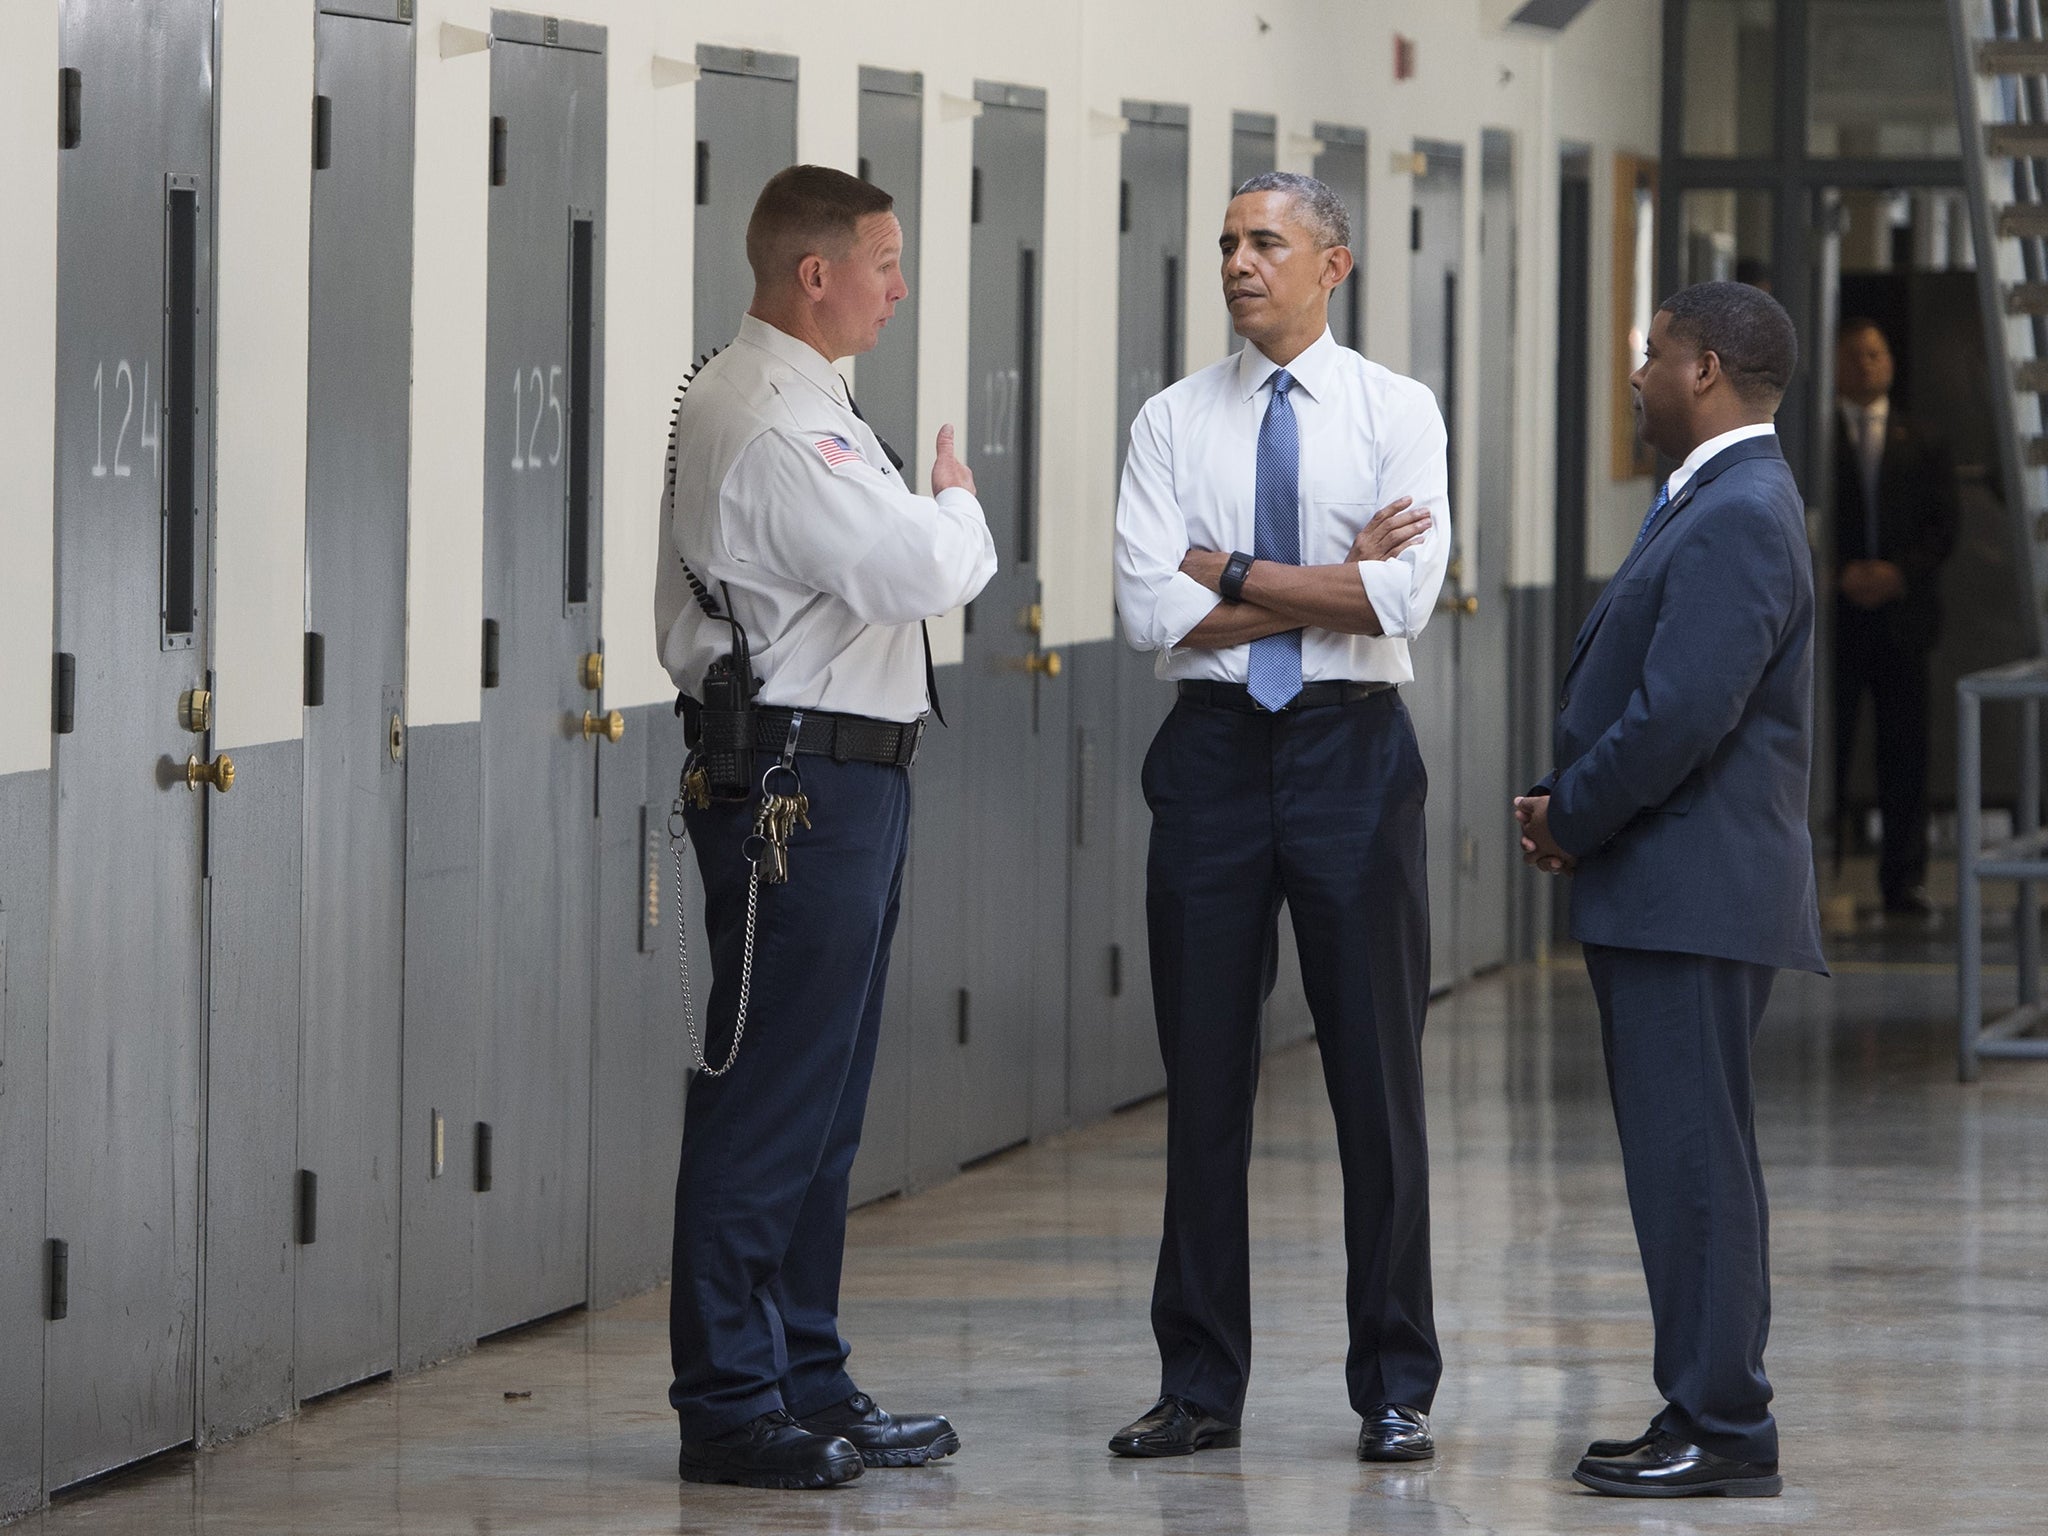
882 1439
773 1451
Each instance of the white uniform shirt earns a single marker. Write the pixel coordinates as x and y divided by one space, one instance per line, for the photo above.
1368 437
783 496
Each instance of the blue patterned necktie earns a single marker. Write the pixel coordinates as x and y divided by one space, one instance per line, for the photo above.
1274 673
1663 500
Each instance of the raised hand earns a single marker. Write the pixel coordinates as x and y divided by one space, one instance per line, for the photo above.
948 471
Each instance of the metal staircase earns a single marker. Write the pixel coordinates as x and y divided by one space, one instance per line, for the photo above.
2001 63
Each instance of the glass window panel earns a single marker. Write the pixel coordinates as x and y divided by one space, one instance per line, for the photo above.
1727 238
1880 84
1731 49
1923 230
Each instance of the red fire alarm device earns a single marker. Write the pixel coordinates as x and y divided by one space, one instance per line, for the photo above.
1404 57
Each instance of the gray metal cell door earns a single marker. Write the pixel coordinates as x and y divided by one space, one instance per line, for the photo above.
1254 149
541 700
892 157
746 132
1436 261
999 715
352 943
1152 288
1340 165
133 544
1485 847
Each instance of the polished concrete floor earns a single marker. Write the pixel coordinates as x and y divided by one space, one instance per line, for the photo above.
1911 1341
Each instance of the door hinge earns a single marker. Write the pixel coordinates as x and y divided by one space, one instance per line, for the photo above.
1123 208
316 669
703 173
497 151
64 694
1414 229
309 1207
1116 970
974 198
59 1289
483 1157
490 653
963 1015
323 132
70 109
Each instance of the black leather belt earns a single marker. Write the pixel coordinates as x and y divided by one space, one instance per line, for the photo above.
1312 696
843 738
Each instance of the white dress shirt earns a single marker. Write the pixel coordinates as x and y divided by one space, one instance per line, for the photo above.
1368 437
784 497
1695 461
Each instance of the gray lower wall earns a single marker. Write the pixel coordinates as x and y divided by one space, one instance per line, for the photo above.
252 1077
443 980
24 1045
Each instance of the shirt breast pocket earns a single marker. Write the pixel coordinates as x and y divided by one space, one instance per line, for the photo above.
1332 523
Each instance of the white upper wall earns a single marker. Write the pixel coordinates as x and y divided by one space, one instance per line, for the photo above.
1327 61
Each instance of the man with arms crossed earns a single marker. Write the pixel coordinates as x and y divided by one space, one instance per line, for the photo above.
1250 558
786 506
1683 738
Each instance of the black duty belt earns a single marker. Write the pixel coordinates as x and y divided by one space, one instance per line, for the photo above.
1312 696
843 738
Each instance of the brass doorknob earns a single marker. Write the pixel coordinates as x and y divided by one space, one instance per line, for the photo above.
1044 663
220 773
611 725
593 671
1465 605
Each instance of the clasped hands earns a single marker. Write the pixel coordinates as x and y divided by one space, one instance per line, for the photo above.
1538 846
1872 583
1394 529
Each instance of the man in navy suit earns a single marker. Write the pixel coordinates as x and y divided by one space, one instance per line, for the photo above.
1684 733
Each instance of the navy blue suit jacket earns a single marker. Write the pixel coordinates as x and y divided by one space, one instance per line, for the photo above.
1685 729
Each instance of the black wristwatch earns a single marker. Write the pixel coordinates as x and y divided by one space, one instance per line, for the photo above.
1231 583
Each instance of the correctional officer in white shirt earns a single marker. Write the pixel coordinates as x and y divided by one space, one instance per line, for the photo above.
1250 557
799 531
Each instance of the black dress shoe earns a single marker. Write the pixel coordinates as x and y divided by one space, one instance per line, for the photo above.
1911 902
1607 1450
773 1451
1174 1427
1667 1467
882 1439
1395 1432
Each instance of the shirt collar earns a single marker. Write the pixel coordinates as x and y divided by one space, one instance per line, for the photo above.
1700 456
1315 370
799 355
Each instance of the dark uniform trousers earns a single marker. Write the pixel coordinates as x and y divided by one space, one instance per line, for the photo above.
1678 1032
761 1194
1321 808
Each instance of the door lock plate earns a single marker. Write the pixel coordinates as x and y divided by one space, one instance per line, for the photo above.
195 710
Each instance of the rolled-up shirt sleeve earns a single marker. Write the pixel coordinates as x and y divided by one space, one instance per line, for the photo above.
855 531
1156 600
1403 591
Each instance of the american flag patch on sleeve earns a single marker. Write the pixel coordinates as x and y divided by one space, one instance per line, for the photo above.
836 451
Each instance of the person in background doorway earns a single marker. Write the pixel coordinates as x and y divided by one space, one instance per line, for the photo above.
1895 524
1683 744
1249 556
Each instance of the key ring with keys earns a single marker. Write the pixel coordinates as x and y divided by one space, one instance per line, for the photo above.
784 806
